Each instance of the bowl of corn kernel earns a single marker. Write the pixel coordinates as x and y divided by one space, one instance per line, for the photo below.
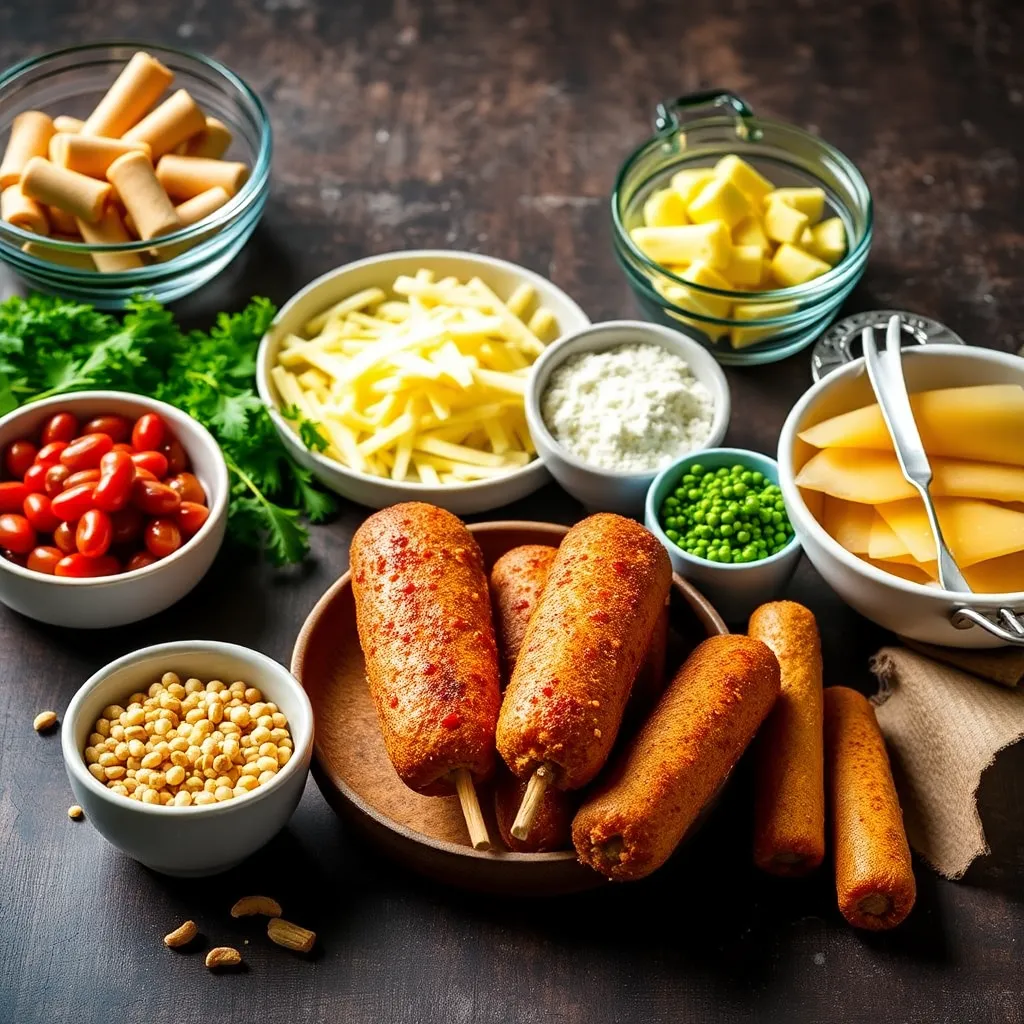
402 377
744 233
189 756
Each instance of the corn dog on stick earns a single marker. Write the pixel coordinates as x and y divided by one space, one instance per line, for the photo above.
176 119
551 826
874 877
134 91
143 197
67 125
186 176
31 132
91 154
789 808
517 580
18 209
84 197
212 142
109 231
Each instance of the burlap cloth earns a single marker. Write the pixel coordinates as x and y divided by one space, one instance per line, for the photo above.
944 727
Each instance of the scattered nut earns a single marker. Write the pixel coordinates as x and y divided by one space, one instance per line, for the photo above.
289 935
248 906
44 720
223 956
182 936
74 812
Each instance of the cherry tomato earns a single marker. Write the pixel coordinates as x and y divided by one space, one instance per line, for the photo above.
72 504
149 432
139 561
49 455
44 559
117 428
117 471
93 533
83 476
18 457
154 498
86 451
155 462
16 534
161 537
64 538
12 496
35 478
79 567
192 517
61 427
39 513
177 460
53 482
122 447
127 524
188 487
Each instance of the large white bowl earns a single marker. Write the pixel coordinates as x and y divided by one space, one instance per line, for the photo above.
609 490
911 609
196 840
116 600
380 271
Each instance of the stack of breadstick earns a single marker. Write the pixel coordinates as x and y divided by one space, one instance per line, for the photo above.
134 169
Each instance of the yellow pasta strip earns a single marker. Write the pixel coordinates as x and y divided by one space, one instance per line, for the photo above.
516 329
496 435
428 475
367 297
520 299
387 436
496 381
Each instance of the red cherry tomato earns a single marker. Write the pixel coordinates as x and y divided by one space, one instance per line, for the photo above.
56 477
72 504
154 498
16 534
83 476
61 427
177 460
117 471
127 524
117 428
79 567
44 559
154 462
49 455
39 513
12 496
122 447
64 538
18 457
86 451
161 537
188 487
192 517
35 478
149 432
139 561
93 533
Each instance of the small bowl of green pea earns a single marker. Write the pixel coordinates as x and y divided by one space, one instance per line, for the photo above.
720 515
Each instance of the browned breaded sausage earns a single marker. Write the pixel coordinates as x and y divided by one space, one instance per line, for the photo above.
789 787
551 827
682 754
517 581
650 680
424 621
582 649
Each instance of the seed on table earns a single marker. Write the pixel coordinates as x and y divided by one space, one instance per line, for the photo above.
75 812
289 935
182 935
250 906
223 956
44 720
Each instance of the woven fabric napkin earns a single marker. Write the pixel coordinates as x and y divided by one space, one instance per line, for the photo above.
944 727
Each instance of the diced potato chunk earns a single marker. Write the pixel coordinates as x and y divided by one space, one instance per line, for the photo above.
828 240
750 231
741 337
719 200
809 201
784 223
746 265
752 184
665 209
792 266
706 276
686 244
689 182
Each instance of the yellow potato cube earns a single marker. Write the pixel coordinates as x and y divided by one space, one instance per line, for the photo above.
664 209
686 244
784 223
741 337
792 266
701 273
705 305
746 266
809 201
752 184
688 183
829 240
750 231
719 200
806 240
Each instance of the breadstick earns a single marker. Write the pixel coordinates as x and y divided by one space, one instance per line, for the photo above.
91 154
110 231
18 209
186 176
135 90
74 193
789 814
874 877
212 142
176 119
143 197
31 132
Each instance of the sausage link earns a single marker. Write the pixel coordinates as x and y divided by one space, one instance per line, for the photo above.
550 829
874 878
424 621
789 800
517 581
683 753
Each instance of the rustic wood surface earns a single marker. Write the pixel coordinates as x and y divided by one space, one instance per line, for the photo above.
499 127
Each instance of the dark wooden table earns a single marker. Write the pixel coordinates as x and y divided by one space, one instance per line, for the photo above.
499 127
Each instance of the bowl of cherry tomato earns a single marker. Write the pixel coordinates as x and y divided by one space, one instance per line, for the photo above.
112 508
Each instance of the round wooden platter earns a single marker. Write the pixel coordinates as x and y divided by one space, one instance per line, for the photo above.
428 834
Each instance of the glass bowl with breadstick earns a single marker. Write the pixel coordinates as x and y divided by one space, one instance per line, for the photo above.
128 169
402 377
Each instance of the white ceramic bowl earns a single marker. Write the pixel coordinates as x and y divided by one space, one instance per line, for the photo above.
380 271
605 489
197 840
116 600
911 609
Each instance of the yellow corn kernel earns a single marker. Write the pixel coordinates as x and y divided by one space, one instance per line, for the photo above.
750 231
688 183
741 337
829 240
746 266
809 201
664 209
686 244
719 200
782 222
752 184
792 266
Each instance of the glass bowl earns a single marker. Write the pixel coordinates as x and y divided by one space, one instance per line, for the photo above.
788 156
71 81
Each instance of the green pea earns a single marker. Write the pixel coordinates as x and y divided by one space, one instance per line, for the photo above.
743 536
757 477
672 535
713 519
725 530
712 556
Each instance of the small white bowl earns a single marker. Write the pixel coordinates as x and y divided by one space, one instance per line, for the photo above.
605 489
924 613
197 840
380 271
117 600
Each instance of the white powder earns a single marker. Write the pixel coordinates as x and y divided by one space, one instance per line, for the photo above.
631 408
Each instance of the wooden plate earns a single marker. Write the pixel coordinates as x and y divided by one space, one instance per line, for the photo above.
428 834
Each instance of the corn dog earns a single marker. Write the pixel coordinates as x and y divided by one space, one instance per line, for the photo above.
551 829
874 877
789 814
650 679
517 580
681 755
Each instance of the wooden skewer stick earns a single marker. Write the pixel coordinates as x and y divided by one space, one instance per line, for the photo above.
532 799
471 809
